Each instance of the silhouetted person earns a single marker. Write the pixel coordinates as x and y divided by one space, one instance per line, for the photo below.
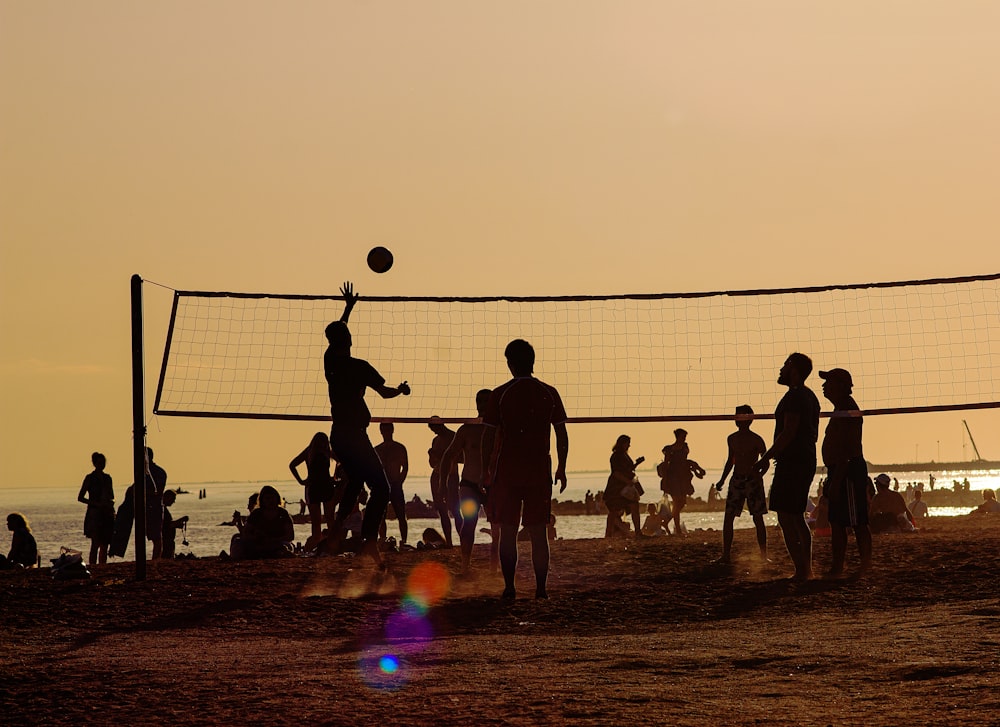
170 526
989 505
467 447
655 523
588 503
98 494
269 530
319 484
918 508
348 378
677 473
888 511
848 486
796 429
444 482
747 485
23 551
623 491
156 485
518 462
396 464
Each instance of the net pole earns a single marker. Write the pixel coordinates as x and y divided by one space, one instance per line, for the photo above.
138 432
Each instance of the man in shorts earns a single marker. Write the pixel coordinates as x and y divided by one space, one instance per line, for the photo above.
518 462
396 463
467 447
348 378
796 429
747 485
848 486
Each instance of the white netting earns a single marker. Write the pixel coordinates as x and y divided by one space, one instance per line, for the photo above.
909 346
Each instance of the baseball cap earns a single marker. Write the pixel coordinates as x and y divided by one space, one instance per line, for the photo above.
837 375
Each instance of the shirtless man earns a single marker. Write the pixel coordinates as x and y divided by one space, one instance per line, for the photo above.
444 482
348 378
467 446
520 418
747 485
396 464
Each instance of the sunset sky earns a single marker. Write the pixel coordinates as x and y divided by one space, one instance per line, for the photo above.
521 148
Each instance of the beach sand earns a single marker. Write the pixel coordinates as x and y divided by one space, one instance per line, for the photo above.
645 633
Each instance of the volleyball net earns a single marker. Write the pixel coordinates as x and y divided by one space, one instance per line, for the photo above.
930 345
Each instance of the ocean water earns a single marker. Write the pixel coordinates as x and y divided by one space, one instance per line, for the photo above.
57 518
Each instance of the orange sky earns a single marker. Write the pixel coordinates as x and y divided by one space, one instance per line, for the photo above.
538 148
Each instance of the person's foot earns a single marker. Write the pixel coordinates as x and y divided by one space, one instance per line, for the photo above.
802 576
541 594
834 573
508 594
370 549
722 560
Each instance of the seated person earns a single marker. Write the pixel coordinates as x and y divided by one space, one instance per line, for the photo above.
887 512
988 505
23 549
655 523
269 531
918 508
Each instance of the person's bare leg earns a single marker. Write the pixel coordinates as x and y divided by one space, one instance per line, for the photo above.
838 547
508 558
727 538
445 517
540 558
316 518
102 554
675 511
790 535
636 520
863 534
758 523
93 552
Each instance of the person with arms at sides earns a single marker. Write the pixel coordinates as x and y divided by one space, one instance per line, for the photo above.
796 429
348 378
518 463
466 447
170 526
396 464
98 494
319 484
848 485
156 485
444 482
746 486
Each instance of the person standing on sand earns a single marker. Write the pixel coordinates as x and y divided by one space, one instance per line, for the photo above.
796 429
747 485
319 484
348 378
677 472
156 485
467 447
98 494
396 463
518 463
848 485
444 482
623 491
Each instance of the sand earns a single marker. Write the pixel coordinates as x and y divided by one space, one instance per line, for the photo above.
648 633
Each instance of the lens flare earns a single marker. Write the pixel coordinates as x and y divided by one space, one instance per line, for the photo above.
469 507
389 664
428 583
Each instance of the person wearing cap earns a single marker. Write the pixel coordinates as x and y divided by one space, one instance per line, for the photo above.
888 511
847 486
348 379
796 429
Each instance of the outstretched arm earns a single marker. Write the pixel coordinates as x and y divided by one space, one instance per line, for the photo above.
389 392
350 298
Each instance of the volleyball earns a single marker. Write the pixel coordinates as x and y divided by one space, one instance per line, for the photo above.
379 259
